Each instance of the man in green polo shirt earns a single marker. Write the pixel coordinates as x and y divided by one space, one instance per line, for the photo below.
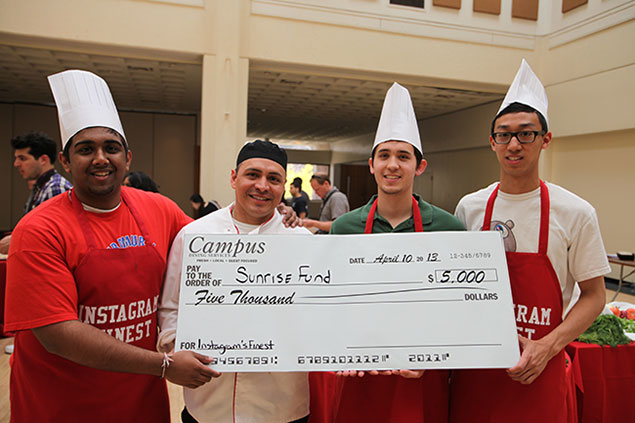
396 158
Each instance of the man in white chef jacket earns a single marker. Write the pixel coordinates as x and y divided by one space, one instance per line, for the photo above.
258 181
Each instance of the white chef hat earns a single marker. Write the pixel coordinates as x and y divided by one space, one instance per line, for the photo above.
398 121
83 101
528 90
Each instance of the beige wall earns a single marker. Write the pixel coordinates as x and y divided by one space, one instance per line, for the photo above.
163 146
600 168
456 173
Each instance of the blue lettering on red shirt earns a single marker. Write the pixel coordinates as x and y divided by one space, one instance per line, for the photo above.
128 241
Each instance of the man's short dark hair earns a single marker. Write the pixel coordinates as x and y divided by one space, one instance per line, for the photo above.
38 144
520 108
321 178
141 180
418 155
196 198
112 131
297 182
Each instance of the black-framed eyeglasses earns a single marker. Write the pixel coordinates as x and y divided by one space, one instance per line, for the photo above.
523 137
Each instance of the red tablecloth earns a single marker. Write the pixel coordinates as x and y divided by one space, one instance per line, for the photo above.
3 283
605 382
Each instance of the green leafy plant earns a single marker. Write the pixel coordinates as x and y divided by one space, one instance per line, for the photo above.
607 329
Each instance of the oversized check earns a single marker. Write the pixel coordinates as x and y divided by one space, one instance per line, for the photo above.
356 302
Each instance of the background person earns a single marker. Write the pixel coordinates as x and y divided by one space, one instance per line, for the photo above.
202 208
258 182
298 182
140 181
298 202
35 154
334 203
553 243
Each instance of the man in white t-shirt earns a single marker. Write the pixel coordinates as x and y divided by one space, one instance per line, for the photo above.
553 244
258 182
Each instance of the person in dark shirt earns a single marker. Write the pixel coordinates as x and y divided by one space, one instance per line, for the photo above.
299 203
201 207
35 154
141 181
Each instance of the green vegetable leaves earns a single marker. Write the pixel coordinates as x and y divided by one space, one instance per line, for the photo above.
628 325
606 330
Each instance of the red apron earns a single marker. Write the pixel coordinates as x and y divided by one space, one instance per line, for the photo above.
491 395
394 399
117 292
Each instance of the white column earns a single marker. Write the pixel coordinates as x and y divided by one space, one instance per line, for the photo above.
225 81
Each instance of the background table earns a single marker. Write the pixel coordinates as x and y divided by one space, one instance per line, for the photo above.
605 382
628 263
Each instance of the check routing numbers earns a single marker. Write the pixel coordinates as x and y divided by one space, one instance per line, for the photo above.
381 301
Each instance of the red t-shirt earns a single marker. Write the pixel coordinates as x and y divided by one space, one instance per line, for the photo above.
46 248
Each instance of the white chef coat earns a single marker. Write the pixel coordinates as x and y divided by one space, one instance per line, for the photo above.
232 397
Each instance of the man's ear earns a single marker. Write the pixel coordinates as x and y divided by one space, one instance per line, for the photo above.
370 166
546 140
44 160
492 143
65 163
232 179
421 168
128 161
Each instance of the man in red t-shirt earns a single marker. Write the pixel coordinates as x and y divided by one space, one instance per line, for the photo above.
85 271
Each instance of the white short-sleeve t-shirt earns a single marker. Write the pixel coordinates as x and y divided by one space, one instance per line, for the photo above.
575 244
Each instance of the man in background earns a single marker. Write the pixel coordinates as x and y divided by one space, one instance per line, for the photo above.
35 156
334 203
298 181
298 203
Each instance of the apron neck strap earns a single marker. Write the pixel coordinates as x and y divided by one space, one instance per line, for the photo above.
416 215
544 218
89 233
543 240
80 213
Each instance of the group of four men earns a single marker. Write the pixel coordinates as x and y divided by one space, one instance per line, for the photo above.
86 290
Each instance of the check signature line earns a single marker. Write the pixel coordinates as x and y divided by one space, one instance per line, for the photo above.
397 291
361 347
384 302
331 304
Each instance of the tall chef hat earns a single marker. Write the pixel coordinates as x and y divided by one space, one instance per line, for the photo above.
398 121
83 100
528 90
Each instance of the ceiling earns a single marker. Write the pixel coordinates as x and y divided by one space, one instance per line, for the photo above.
283 105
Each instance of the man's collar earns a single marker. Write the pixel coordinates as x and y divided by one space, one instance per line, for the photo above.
43 178
424 208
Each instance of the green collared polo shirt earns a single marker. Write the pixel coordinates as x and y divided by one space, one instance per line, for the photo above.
433 219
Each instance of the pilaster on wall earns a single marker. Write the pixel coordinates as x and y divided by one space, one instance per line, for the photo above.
223 123
225 83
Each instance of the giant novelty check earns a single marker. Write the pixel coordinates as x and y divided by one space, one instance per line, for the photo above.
355 302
